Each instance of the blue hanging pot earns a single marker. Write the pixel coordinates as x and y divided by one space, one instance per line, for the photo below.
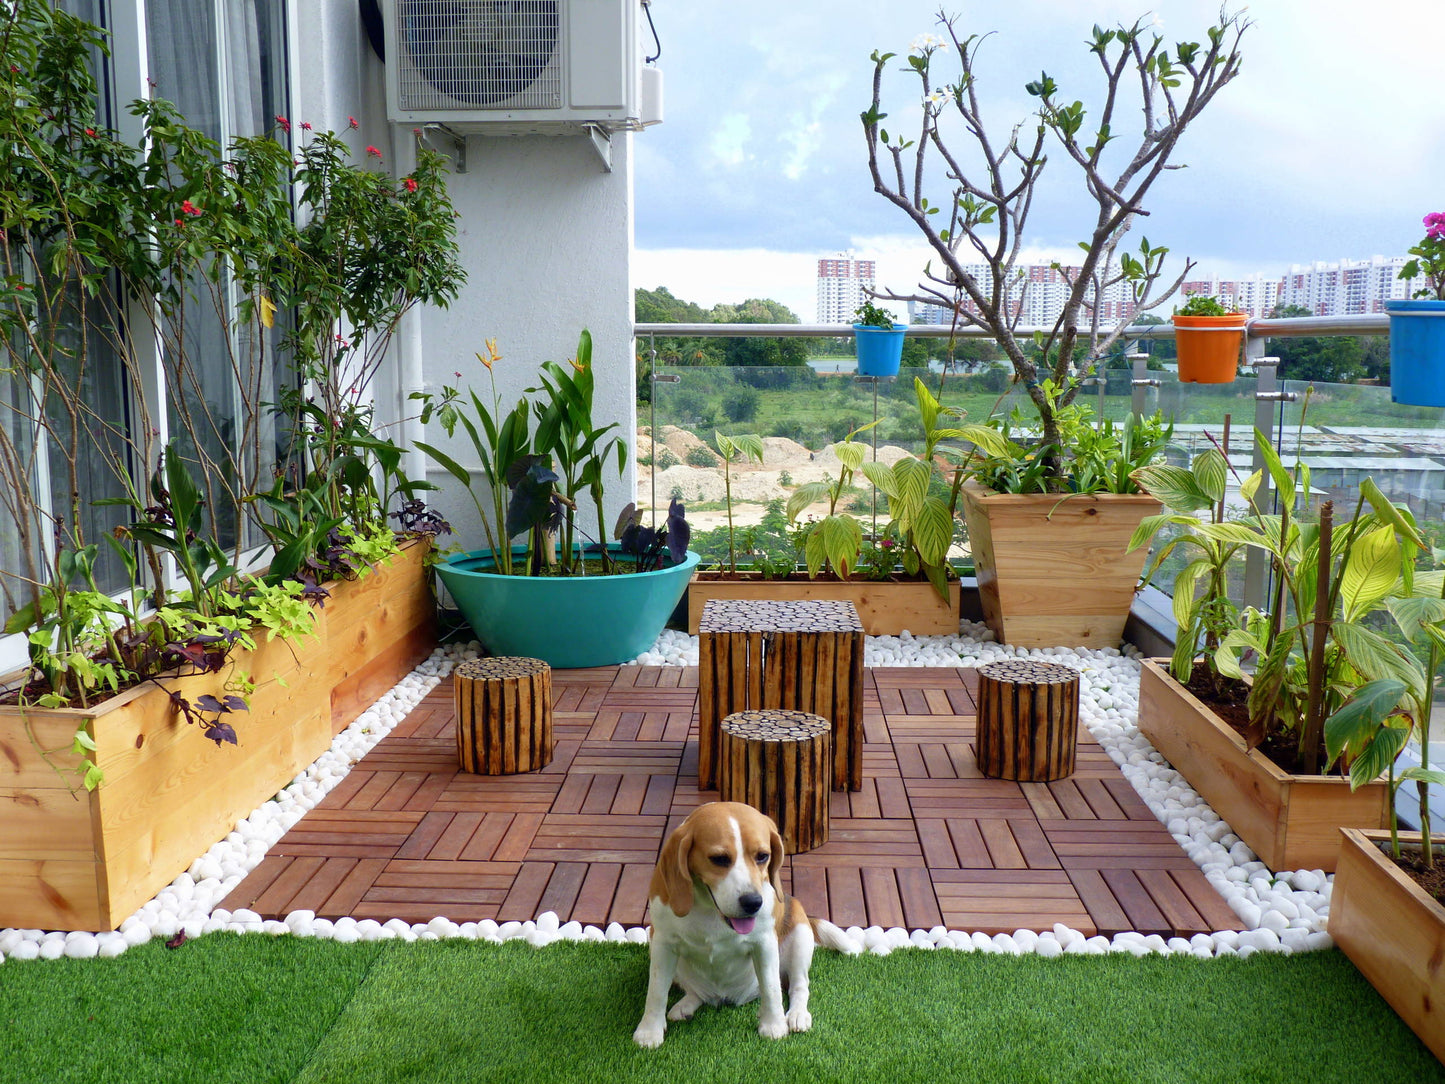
879 351
1417 352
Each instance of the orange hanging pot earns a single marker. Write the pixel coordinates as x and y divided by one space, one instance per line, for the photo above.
1208 347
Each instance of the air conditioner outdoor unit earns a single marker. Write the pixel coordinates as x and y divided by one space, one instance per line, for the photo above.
504 67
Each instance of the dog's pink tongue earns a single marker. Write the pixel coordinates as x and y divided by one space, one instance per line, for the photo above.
742 925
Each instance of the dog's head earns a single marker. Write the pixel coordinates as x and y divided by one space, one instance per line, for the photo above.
725 852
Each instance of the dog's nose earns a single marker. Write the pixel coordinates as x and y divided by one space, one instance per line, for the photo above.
750 903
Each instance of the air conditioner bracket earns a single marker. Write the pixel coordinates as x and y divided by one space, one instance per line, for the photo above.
601 143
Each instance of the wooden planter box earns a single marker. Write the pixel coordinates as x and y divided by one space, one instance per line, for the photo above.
1392 931
1052 568
1289 821
72 860
885 607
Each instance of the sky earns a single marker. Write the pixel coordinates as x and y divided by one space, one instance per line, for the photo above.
1329 145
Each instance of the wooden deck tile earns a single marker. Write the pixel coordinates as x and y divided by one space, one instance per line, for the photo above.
927 841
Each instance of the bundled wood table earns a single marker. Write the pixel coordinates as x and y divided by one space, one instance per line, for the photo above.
1028 720
779 761
504 715
800 656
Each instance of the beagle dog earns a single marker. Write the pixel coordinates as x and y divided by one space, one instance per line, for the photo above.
723 928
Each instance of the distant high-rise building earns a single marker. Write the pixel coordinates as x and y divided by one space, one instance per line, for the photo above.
1255 295
1346 287
842 281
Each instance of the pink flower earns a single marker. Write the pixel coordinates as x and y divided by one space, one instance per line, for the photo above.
373 152
410 183
351 122
306 126
1435 225
283 123
189 208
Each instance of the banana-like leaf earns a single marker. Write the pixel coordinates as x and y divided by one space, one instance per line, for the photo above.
850 453
933 530
806 494
1376 657
1184 587
1351 729
1376 758
881 476
1423 775
911 477
1370 573
749 445
927 404
1175 486
1414 614
1236 532
1148 527
1250 486
1211 473
835 540
1284 481
1387 510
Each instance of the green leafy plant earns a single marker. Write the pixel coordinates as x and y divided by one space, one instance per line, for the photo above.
1203 305
870 315
746 446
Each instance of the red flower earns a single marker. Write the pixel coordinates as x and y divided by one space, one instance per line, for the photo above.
410 183
90 131
306 126
179 222
351 122
189 208
373 152
283 123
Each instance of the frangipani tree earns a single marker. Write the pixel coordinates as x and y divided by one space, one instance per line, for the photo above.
979 207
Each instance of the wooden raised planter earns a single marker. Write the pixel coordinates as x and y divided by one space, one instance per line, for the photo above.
1052 568
1392 931
886 607
86 860
1289 821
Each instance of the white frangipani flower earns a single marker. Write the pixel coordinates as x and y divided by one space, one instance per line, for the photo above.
934 100
928 43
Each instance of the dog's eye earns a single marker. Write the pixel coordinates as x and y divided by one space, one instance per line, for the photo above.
763 858
722 861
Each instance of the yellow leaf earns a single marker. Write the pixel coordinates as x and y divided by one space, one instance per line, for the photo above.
268 311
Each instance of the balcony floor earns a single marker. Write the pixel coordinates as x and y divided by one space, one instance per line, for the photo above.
927 842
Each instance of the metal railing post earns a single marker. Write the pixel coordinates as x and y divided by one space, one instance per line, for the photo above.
1139 384
1267 396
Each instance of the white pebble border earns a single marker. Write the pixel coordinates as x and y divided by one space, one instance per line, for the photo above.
1282 912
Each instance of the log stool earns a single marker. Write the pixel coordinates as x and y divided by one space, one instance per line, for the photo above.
778 762
800 656
1028 719
504 715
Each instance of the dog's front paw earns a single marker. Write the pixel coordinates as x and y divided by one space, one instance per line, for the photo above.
684 1009
649 1034
773 1027
799 1020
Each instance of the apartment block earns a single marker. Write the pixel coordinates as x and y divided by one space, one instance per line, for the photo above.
842 281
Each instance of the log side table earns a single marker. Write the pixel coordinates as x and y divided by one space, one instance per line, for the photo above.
504 715
1028 720
779 762
800 656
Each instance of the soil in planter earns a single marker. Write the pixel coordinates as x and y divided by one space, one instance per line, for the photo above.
1411 862
1229 699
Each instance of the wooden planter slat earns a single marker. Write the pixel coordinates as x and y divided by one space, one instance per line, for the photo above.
1392 931
504 715
1028 720
87 860
805 656
1289 821
884 608
778 761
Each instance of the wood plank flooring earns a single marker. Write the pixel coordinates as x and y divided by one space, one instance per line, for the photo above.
927 842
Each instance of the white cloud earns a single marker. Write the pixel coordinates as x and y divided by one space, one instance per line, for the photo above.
729 143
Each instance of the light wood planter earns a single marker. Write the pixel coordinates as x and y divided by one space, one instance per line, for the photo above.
885 607
86 861
1392 931
1052 568
1289 821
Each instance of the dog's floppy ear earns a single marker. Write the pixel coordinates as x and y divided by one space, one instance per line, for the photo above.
775 863
676 870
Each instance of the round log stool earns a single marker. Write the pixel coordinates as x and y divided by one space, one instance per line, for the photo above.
780 762
1028 719
504 715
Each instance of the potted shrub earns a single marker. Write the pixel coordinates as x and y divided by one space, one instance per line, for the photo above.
1417 324
1256 749
879 339
554 596
983 216
1209 339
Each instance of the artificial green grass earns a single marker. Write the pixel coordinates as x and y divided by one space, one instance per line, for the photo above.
228 1008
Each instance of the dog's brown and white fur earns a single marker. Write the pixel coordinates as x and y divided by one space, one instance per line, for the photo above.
723 928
